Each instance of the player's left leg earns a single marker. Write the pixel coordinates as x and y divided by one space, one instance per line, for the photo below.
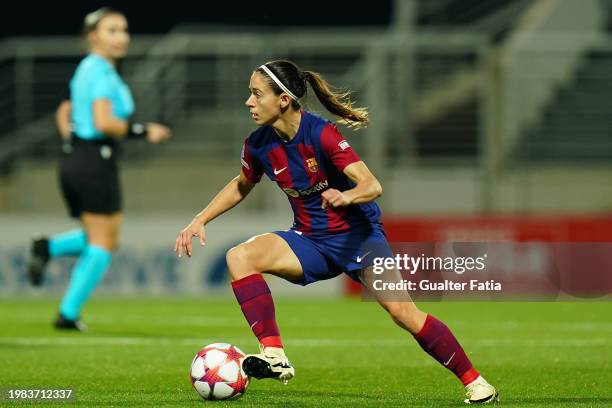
437 340
434 337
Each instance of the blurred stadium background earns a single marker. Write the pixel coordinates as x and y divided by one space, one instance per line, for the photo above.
490 122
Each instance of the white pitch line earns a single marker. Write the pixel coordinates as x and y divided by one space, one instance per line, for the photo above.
565 342
205 321
518 325
161 341
292 322
167 341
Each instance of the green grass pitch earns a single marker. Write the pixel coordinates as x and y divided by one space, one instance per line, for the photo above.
347 353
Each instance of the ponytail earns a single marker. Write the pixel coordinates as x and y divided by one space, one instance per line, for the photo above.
286 76
337 102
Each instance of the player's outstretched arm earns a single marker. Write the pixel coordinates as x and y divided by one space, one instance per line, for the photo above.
233 193
367 188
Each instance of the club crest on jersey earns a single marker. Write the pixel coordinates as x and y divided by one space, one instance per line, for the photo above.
312 164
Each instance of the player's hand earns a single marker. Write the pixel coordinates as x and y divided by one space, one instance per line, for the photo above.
333 198
183 241
157 133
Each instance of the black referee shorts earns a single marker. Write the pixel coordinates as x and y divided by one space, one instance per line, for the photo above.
89 177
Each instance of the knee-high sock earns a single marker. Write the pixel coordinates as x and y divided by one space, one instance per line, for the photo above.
256 303
438 341
67 243
87 273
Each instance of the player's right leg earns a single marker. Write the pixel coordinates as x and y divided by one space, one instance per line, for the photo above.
267 253
102 231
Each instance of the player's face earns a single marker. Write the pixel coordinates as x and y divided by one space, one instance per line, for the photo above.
111 36
263 103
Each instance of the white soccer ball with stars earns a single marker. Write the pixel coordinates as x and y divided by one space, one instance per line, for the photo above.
216 372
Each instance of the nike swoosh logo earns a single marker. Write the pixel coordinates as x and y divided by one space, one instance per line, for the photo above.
361 257
449 360
277 172
254 324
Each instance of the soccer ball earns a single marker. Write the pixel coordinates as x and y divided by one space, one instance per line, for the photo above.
216 372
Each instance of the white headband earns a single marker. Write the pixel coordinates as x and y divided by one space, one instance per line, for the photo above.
278 82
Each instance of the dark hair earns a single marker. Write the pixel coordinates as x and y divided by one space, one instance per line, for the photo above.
91 21
335 101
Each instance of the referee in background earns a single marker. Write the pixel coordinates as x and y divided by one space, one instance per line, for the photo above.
91 122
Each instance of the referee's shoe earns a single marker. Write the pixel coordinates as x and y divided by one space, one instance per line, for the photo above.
39 257
63 323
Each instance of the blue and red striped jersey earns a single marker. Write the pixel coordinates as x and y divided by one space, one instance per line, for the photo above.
303 168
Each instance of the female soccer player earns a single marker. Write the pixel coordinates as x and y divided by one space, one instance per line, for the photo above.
92 121
332 193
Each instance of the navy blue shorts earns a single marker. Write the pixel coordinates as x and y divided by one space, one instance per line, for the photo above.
327 256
